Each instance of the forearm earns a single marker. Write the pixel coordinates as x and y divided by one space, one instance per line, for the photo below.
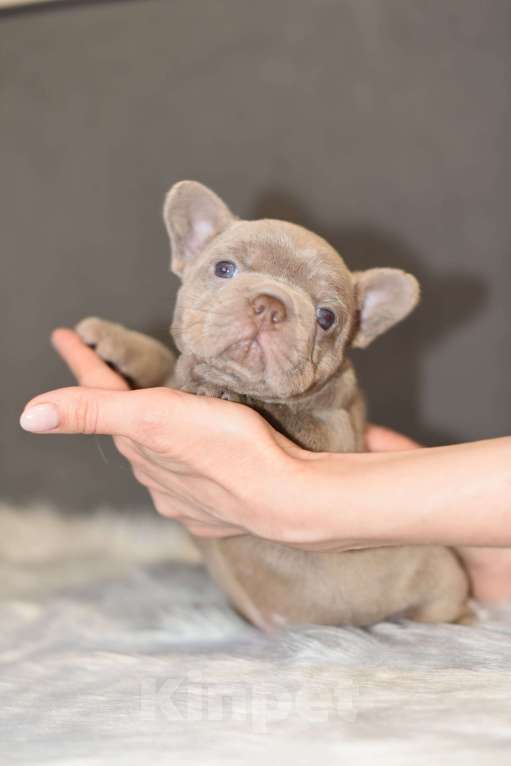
455 495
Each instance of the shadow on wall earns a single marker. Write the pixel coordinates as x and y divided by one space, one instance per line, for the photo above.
391 370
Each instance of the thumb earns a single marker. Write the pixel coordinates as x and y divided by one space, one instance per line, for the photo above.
141 415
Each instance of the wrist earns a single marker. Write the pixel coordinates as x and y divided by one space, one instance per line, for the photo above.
321 512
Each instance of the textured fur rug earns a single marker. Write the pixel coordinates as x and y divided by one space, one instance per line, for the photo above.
117 649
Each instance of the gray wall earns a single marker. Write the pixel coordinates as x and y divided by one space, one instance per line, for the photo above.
383 124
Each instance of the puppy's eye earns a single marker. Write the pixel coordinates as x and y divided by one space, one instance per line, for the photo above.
225 269
325 318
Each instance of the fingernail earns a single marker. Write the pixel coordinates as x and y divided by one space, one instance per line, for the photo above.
40 418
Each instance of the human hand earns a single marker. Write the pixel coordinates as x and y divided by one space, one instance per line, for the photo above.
195 455
217 467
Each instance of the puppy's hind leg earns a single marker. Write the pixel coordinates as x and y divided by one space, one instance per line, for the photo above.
143 360
447 610
446 591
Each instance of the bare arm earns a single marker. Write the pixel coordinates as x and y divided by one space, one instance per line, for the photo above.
455 495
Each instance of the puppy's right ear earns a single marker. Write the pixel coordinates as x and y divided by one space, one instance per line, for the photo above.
193 215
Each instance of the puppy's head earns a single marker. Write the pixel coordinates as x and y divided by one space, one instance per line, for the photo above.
268 308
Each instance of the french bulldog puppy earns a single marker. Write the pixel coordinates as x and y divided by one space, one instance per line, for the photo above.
266 315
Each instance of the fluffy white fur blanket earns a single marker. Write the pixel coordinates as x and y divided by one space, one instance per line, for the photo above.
117 649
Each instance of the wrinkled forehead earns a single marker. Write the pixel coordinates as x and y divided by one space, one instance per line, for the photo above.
290 253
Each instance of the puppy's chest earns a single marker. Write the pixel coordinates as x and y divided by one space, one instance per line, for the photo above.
327 431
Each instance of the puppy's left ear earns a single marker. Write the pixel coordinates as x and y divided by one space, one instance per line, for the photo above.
383 297
193 215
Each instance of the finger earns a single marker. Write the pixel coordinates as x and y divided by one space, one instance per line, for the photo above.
147 416
127 448
136 454
147 481
84 363
197 523
381 439
213 532
173 506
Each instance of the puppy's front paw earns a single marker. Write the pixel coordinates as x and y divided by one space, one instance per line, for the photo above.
108 339
202 389
91 330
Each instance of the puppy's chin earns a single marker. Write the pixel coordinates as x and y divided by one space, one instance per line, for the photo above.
247 354
265 366
245 370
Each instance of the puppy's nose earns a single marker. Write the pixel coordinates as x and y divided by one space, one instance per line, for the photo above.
268 310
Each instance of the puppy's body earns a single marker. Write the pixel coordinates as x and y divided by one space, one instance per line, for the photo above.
253 323
272 584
